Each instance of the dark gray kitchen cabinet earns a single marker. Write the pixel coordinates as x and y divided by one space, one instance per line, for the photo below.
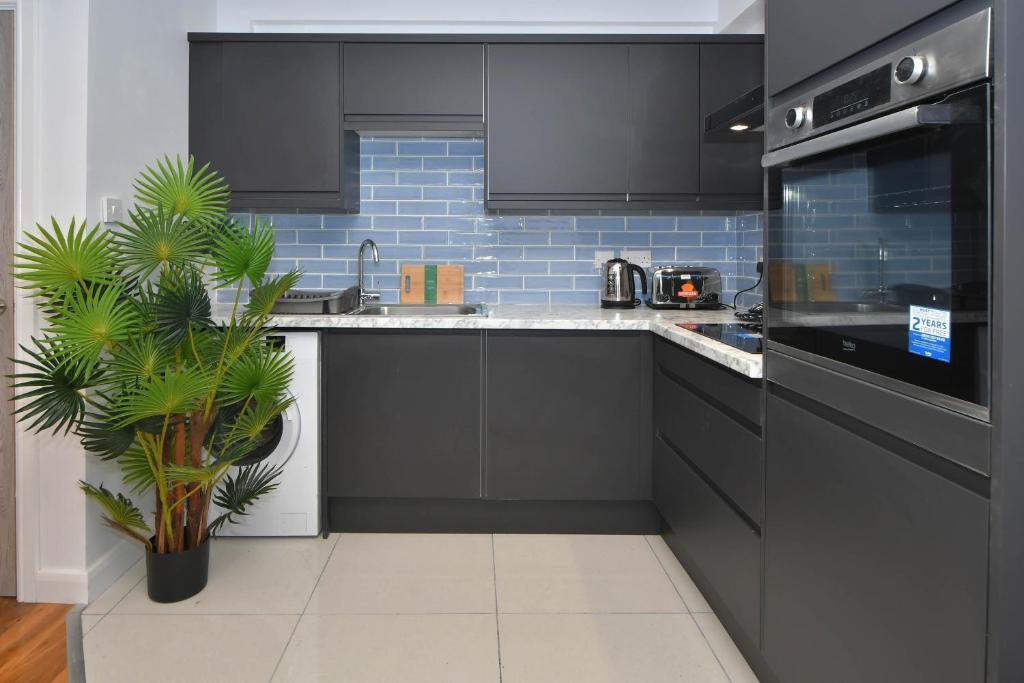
402 414
664 121
556 122
275 136
730 168
711 417
803 38
875 566
421 85
568 416
707 481
720 550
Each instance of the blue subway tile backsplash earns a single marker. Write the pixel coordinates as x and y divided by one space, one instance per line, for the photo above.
422 202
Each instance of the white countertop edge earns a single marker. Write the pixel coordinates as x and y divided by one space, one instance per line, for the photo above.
568 317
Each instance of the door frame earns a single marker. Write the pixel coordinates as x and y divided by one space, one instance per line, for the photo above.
8 220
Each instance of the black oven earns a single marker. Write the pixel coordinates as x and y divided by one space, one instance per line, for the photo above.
878 238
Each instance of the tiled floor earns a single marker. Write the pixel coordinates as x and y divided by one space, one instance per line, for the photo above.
420 607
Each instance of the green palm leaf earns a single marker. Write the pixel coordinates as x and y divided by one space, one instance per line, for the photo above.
54 264
173 393
52 388
104 438
121 514
263 296
240 252
157 239
237 492
262 373
136 470
140 359
178 189
181 304
88 324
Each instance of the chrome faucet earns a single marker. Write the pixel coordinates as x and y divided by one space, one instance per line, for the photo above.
882 290
366 295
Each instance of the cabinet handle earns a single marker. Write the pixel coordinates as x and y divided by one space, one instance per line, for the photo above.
408 284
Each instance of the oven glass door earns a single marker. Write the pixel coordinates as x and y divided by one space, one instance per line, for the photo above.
878 257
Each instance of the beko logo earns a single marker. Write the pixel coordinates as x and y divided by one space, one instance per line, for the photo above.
849 345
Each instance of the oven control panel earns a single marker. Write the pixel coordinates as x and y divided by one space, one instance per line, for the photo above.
956 55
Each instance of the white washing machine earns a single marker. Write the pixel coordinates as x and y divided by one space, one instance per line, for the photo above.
293 508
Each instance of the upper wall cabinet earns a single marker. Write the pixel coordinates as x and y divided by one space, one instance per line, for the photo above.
730 171
803 38
664 131
556 124
267 115
618 126
414 86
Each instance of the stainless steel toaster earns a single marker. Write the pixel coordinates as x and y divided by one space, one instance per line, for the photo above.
685 287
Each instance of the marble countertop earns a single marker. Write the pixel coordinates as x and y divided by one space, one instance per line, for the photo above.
568 317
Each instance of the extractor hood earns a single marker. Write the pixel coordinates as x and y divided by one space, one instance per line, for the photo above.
736 121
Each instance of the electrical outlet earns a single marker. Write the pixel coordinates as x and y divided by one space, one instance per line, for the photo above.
601 256
111 210
638 257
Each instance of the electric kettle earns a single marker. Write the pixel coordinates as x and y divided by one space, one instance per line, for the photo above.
618 289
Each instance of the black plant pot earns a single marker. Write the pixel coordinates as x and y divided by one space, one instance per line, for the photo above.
172 577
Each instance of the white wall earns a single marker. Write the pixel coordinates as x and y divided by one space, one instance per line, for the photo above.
470 16
103 90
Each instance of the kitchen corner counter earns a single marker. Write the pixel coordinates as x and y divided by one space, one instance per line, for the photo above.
568 317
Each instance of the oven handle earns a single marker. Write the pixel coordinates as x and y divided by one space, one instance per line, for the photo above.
905 119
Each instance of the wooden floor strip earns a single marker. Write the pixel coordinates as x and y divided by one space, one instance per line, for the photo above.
32 642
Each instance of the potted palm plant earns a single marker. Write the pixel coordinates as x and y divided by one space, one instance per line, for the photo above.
132 362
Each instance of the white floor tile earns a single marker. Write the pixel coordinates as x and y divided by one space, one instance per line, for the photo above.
90 620
120 588
248 576
605 648
547 573
691 595
446 648
728 654
407 574
187 648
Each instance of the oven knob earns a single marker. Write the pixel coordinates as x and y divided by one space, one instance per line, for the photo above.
909 70
795 117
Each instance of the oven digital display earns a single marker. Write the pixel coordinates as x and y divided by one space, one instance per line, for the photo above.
862 93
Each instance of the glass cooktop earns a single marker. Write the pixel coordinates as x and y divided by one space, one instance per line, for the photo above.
743 336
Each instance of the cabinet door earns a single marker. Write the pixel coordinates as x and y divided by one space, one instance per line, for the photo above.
557 121
890 556
717 546
664 153
803 38
402 414
267 115
568 416
414 79
726 72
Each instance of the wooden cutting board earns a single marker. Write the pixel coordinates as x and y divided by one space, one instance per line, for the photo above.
412 285
432 284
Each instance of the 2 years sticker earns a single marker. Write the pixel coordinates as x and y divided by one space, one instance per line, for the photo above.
929 333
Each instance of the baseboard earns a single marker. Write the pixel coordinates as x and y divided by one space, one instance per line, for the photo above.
66 586
109 566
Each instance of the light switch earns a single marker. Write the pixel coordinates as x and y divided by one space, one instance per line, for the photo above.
601 256
111 210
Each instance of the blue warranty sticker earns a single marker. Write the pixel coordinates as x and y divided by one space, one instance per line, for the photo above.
929 333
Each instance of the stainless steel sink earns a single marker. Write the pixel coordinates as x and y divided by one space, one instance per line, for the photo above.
424 310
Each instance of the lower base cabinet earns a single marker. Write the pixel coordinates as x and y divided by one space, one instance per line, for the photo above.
568 415
715 545
402 413
875 567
